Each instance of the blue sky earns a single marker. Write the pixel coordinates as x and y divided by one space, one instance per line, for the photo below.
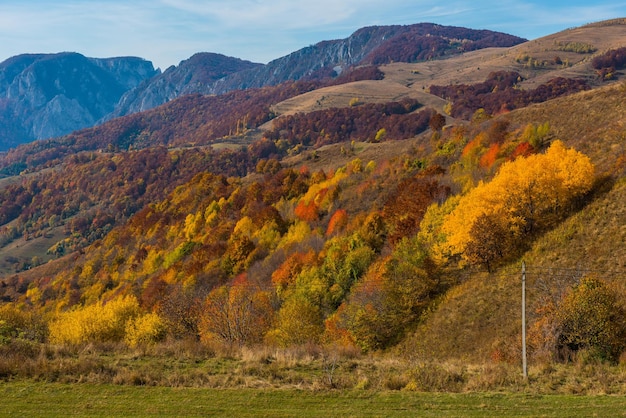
168 31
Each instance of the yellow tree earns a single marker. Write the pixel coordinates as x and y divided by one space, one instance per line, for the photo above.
101 322
528 193
299 321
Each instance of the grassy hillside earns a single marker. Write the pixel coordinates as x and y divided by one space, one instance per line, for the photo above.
361 220
591 121
483 312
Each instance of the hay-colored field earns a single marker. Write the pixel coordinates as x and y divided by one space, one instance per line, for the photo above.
413 80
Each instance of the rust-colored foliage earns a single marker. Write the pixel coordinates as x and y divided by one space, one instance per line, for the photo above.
524 149
307 211
497 94
472 145
287 272
358 123
337 222
154 292
490 157
437 122
365 72
427 41
335 331
405 208
491 241
607 63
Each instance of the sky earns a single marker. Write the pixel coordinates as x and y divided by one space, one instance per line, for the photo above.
169 31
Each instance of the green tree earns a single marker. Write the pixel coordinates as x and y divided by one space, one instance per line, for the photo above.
391 297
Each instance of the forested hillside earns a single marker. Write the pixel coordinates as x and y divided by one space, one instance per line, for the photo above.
380 227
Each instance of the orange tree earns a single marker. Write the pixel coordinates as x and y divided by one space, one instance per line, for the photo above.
526 195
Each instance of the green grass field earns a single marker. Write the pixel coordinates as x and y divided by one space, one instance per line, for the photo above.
48 400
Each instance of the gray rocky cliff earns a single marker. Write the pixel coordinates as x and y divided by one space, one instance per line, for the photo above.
53 94
194 75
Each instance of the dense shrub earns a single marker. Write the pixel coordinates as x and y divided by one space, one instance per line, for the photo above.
144 329
102 322
499 93
590 318
358 123
607 63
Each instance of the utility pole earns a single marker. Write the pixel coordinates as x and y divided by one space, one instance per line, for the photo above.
524 368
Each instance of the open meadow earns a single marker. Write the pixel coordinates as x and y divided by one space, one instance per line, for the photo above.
44 399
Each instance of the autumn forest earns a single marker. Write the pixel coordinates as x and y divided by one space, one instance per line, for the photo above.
380 228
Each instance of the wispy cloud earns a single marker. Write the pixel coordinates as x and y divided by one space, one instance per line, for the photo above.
268 14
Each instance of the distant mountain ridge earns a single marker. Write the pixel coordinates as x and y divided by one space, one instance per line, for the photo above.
50 95
370 45
190 76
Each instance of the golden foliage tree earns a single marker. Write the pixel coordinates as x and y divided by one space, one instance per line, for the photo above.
526 194
144 329
299 321
337 222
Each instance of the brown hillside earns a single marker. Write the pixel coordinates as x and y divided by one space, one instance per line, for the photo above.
592 121
535 60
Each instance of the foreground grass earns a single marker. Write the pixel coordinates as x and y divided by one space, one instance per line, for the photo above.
309 369
55 399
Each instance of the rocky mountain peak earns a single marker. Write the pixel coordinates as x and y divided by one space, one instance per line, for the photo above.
54 94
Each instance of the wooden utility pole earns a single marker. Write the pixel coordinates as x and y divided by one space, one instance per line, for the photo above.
524 368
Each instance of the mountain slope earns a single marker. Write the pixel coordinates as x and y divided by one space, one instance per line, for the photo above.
49 95
371 45
534 61
43 96
322 236
193 75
